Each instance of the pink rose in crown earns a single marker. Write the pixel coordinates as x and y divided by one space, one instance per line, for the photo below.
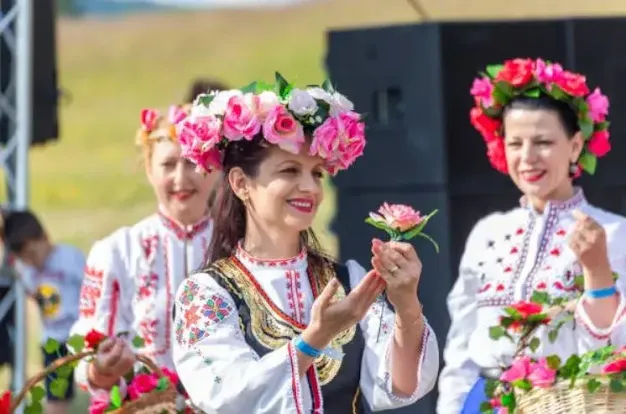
100 401
262 103
548 73
573 84
326 138
598 105
282 129
198 138
141 384
240 122
599 144
397 216
482 91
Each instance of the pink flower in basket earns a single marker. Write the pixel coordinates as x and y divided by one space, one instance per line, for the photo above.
614 367
519 370
99 403
542 375
142 384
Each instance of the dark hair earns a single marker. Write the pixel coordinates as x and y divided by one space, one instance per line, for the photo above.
21 227
229 212
203 85
567 116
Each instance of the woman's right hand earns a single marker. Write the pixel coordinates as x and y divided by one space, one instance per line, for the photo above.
114 359
329 316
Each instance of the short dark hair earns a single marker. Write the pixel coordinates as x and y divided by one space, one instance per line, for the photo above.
567 116
21 227
203 85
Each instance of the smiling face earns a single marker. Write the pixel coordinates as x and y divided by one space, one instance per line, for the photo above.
286 191
539 153
181 191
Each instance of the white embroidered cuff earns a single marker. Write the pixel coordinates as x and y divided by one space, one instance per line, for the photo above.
385 381
599 333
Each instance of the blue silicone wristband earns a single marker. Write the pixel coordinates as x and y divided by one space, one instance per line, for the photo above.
305 348
601 293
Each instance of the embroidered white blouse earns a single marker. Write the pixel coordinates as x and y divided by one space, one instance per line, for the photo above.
222 373
130 281
507 257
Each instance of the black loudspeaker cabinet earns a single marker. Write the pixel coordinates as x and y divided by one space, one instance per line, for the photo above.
413 83
45 123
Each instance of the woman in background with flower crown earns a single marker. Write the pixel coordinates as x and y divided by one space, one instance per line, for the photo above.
273 325
132 274
542 126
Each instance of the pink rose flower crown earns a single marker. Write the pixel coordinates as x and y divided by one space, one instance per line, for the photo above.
499 84
279 113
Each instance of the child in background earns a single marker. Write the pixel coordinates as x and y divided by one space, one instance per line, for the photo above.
52 275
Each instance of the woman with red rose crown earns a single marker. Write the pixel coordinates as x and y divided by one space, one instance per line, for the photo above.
272 325
131 275
542 126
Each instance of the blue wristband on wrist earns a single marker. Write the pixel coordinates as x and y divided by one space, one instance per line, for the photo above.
601 293
305 348
308 350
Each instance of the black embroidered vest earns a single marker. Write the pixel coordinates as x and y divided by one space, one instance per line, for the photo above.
267 328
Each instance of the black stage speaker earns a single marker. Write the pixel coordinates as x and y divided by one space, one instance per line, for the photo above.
45 123
413 83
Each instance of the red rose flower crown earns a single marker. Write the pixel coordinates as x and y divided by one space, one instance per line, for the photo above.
282 115
532 78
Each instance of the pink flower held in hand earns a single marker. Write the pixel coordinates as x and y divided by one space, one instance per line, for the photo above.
141 384
399 217
542 375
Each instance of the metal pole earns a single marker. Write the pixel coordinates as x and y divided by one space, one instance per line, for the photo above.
23 98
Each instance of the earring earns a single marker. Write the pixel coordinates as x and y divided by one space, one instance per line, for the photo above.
573 169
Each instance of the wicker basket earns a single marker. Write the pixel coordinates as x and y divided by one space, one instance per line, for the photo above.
156 402
561 399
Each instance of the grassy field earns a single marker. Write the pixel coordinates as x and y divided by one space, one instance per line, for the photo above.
91 181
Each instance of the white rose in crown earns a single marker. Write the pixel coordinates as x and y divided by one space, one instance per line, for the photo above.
262 103
218 105
320 94
198 110
340 104
302 103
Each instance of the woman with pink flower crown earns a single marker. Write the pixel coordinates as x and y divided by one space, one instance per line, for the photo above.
543 127
131 275
273 325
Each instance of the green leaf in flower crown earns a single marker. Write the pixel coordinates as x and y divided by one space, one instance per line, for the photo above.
37 393
502 93
58 387
76 342
586 127
51 346
534 344
496 332
493 112
554 362
138 342
493 70
116 397
616 385
600 126
540 297
532 93
205 99
283 88
328 86
557 93
593 385
250 88
588 162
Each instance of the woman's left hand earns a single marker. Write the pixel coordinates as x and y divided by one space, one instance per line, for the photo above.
401 268
588 242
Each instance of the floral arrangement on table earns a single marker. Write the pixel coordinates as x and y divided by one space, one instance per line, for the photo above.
499 84
603 368
139 383
278 113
